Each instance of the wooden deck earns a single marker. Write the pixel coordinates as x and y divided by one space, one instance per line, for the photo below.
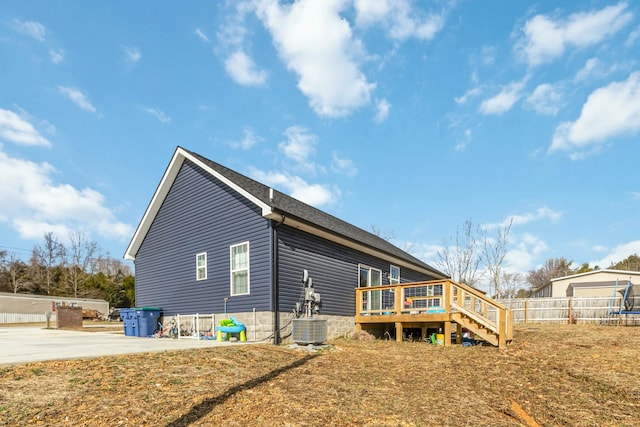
440 304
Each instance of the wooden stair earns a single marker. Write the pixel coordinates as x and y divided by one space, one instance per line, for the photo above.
478 329
481 315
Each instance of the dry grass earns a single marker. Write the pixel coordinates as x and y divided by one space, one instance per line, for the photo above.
551 375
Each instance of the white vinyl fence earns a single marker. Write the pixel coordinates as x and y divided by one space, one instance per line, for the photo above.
599 310
24 318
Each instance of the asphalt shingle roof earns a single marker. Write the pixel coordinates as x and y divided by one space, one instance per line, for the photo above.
304 212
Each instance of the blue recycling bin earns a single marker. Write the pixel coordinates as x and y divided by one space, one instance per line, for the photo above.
147 320
130 322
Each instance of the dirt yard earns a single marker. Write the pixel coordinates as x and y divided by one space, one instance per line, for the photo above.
568 375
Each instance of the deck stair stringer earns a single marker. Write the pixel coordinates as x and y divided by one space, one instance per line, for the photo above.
476 328
481 315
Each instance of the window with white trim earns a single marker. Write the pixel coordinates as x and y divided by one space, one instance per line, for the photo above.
370 277
201 266
394 275
240 269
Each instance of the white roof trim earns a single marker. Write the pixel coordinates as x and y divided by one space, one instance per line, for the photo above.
163 189
606 270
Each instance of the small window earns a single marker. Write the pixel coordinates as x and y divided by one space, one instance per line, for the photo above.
394 275
240 269
201 266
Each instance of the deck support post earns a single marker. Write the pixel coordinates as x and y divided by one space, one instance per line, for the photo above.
458 333
447 333
399 331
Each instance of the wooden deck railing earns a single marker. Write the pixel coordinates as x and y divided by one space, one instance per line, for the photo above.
482 309
406 298
432 300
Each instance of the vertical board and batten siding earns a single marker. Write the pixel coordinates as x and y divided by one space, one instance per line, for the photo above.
333 268
202 214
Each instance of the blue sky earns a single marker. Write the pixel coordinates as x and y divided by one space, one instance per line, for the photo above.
412 116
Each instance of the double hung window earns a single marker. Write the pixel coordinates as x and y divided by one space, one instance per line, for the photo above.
201 266
240 269
394 275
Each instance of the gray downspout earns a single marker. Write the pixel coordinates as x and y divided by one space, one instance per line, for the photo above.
275 297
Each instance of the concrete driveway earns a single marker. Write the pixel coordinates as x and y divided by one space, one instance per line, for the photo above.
33 344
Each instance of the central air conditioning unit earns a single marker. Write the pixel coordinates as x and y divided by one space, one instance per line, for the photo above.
309 331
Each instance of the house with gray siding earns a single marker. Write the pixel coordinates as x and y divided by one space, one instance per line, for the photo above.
215 241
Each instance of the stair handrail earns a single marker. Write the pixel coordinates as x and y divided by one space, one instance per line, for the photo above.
502 325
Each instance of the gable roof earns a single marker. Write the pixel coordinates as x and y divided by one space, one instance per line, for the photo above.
588 273
597 272
277 206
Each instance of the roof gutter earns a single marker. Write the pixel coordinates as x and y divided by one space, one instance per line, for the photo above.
328 235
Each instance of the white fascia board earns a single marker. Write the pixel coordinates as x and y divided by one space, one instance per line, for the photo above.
349 243
163 189
266 209
154 205
605 270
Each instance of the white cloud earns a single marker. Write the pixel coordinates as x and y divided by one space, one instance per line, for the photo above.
546 99
158 114
504 101
300 144
521 219
238 63
77 97
243 70
57 56
18 130
132 54
537 215
39 205
248 141
523 254
32 29
343 165
317 44
313 194
546 39
234 31
593 66
399 19
609 111
201 34
635 195
488 55
617 254
382 110
473 92
462 143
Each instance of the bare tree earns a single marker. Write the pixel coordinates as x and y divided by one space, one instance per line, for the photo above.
50 254
81 252
16 270
494 251
512 283
387 235
110 266
461 259
552 268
